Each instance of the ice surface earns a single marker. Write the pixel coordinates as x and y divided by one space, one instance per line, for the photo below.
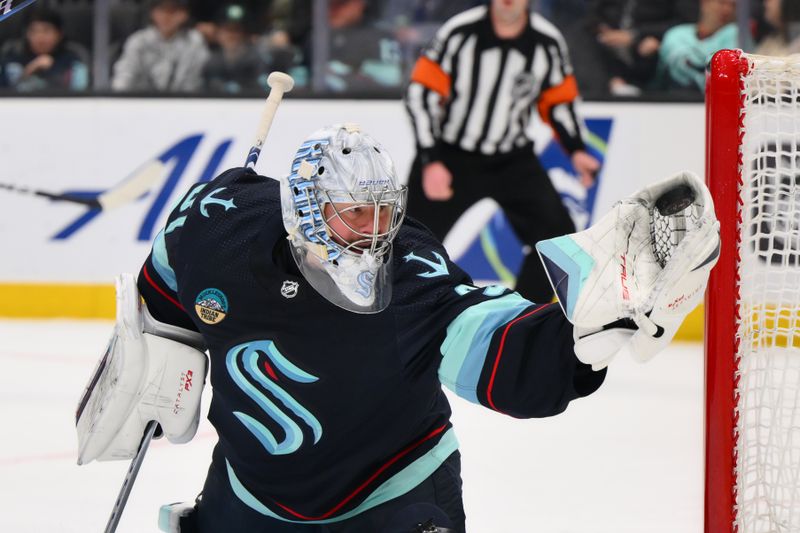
625 460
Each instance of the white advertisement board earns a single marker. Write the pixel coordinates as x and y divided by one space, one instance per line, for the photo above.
88 146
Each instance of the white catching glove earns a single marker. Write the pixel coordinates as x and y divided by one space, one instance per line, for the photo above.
598 346
647 261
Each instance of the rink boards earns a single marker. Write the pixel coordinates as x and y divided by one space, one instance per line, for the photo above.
59 259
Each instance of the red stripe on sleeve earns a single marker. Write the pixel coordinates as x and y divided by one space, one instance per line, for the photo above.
500 354
161 291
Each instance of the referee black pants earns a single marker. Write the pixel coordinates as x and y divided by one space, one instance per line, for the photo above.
516 181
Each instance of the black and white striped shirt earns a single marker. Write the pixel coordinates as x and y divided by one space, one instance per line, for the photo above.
476 91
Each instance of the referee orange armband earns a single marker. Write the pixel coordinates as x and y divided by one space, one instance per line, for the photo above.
429 74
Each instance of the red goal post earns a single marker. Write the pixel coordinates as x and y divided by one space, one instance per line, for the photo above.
752 424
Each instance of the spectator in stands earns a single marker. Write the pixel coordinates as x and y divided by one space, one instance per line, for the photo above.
629 33
165 56
362 56
570 17
274 44
415 22
687 48
405 12
205 13
784 17
234 66
43 59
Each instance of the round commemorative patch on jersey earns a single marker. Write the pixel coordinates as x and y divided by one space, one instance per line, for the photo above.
211 306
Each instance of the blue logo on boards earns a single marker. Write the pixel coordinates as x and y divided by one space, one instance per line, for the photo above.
491 253
177 158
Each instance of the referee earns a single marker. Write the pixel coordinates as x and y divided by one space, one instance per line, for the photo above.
471 95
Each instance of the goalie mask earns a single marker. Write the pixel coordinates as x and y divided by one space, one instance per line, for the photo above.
342 207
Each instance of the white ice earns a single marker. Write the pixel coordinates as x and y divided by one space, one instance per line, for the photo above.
626 460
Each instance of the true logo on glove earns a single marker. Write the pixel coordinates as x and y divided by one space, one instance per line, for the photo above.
211 306
623 278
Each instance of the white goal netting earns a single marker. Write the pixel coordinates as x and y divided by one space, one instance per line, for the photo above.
768 423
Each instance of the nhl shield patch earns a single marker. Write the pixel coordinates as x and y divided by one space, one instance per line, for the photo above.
211 306
289 289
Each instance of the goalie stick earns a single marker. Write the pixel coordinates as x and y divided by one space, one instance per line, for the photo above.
129 190
130 477
279 83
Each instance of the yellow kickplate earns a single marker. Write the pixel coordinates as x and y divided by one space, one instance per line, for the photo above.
40 300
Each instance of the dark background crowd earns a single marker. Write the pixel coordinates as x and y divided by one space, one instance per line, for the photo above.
620 48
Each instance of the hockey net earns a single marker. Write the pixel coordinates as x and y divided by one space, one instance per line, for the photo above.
753 303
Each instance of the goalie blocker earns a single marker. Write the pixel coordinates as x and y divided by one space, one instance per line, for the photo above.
627 282
150 372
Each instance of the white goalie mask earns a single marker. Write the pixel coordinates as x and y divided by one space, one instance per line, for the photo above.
342 207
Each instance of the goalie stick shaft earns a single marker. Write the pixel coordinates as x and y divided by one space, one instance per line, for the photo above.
129 190
89 202
279 83
130 477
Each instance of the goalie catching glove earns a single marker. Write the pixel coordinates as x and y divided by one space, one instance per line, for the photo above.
627 282
150 371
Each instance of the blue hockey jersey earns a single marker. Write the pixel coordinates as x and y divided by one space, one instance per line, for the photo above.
323 413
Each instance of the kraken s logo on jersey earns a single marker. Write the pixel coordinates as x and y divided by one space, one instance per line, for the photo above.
289 289
252 366
211 306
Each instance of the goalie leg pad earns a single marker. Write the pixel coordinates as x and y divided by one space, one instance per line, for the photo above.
141 377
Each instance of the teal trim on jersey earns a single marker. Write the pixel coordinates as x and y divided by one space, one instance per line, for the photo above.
396 486
190 198
468 337
210 199
494 290
175 224
574 261
163 518
438 267
161 262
